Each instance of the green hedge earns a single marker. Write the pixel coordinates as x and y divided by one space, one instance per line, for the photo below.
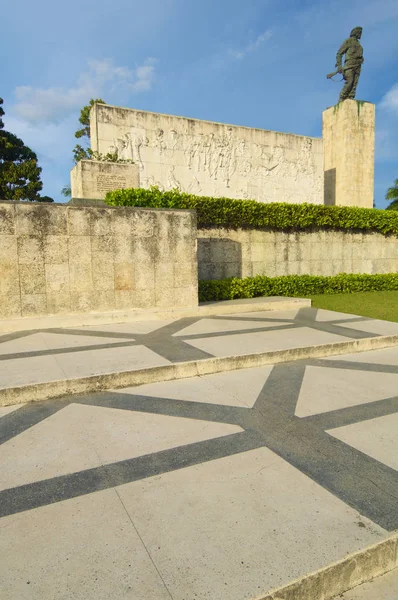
295 286
249 214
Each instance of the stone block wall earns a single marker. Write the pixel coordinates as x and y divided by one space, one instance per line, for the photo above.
227 253
63 259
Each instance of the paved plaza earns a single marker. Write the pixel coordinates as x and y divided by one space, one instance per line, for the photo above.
222 486
31 357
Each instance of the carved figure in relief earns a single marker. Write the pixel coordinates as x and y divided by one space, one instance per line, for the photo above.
159 141
172 181
149 181
192 153
137 140
173 143
194 187
209 148
122 146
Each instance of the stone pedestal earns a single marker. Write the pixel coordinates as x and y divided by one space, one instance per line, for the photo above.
92 179
349 139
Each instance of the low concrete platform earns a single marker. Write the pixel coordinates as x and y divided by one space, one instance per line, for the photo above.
382 588
222 486
123 316
41 364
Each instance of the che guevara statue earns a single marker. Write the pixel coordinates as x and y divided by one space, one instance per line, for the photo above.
352 50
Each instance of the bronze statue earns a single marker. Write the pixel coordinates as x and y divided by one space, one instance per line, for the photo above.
351 70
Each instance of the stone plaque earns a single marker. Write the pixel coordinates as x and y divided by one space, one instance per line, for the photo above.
107 182
92 179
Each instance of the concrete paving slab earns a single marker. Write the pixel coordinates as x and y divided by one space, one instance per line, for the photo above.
258 342
374 326
30 342
92 362
385 356
239 388
375 437
382 588
241 525
25 371
86 549
325 389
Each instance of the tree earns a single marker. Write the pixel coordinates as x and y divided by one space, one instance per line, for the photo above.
85 152
66 191
392 194
19 171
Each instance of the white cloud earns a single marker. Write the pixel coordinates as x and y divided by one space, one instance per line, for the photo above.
51 105
390 100
252 46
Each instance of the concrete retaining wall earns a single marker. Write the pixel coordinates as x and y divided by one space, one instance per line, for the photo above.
243 253
62 259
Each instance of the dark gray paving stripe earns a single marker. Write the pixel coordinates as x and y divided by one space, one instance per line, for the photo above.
85 333
247 318
215 334
27 416
358 480
307 313
186 409
353 366
308 316
174 349
72 350
350 320
355 414
355 334
10 337
174 327
58 489
326 326
282 388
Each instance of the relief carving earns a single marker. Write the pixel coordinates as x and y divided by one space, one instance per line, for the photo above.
221 162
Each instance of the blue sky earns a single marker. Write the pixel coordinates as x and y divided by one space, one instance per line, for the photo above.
259 63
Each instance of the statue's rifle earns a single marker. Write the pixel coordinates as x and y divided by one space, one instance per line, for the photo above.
331 75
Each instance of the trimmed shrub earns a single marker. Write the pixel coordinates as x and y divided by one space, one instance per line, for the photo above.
249 214
295 286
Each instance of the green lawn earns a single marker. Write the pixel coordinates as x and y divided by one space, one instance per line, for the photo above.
379 305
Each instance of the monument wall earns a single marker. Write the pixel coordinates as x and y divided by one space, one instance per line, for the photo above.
349 146
58 259
227 253
211 159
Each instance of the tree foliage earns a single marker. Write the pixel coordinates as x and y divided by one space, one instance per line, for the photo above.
392 194
19 171
84 152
